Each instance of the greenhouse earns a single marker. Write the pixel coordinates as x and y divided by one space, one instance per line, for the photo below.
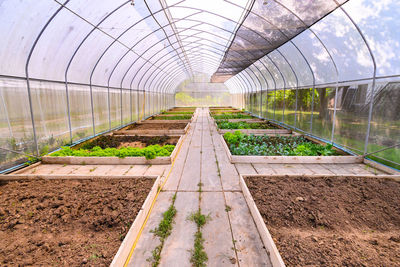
200 133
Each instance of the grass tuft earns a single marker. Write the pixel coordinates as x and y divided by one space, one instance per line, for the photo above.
163 230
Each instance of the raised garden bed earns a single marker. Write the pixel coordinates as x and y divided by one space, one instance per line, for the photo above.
172 117
70 222
326 221
244 148
227 112
177 112
262 127
114 149
154 129
232 116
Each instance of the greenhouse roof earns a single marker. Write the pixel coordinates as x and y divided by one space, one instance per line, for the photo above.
155 45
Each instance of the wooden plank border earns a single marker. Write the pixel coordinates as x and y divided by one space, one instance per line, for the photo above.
125 247
381 167
265 235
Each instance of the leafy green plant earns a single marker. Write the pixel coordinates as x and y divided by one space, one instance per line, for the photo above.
150 152
177 117
178 113
243 144
232 116
224 124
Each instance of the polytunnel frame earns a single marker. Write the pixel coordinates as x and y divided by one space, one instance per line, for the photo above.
63 6
161 27
373 78
67 95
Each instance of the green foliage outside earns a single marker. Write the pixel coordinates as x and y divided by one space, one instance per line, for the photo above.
243 144
223 124
150 152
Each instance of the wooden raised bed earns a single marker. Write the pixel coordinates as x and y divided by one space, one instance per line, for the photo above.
154 119
346 158
326 220
113 160
280 131
166 121
57 225
152 132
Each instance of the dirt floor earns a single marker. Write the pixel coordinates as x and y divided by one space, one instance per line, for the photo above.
119 141
67 222
157 126
331 221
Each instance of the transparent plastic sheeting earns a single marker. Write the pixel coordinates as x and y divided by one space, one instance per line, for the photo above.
72 69
51 115
351 51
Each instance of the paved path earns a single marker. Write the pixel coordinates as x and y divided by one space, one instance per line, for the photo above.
231 237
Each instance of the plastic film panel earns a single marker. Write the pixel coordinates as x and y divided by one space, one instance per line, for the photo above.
16 127
378 20
18 35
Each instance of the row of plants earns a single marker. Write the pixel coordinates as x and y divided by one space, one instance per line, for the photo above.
232 116
112 141
178 113
177 117
231 112
224 124
150 152
244 144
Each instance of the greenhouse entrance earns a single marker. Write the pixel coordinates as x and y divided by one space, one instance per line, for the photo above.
200 133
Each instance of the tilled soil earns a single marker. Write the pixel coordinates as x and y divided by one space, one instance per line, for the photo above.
331 221
158 126
67 222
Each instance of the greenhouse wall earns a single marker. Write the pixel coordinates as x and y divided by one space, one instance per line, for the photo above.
56 125
314 112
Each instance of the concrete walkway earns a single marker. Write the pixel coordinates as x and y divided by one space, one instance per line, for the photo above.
231 237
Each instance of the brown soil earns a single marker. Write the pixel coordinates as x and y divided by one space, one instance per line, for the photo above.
67 222
157 126
331 221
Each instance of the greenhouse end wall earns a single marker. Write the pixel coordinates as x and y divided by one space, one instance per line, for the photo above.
112 108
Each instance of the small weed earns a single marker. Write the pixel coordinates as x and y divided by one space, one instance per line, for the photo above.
92 170
199 256
200 189
227 208
94 256
198 218
64 165
163 230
